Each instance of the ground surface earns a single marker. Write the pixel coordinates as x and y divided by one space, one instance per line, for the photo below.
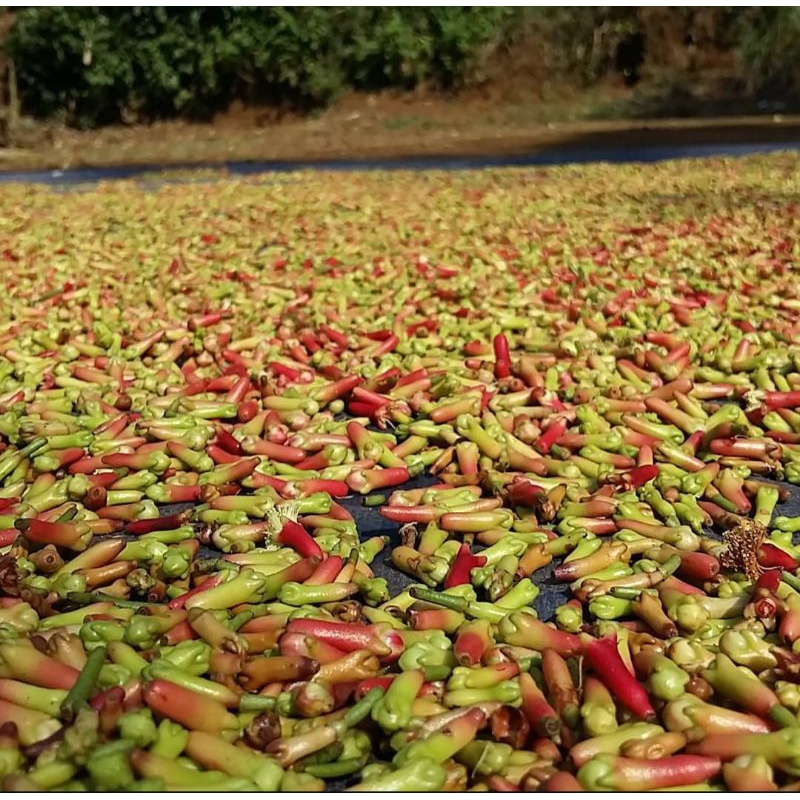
387 126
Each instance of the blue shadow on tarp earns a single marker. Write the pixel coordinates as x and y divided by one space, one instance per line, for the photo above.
615 154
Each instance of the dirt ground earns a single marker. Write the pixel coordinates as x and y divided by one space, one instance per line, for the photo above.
384 126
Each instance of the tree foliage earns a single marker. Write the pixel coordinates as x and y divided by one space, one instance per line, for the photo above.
92 66
98 65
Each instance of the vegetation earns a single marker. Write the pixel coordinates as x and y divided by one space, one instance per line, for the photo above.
93 66
770 46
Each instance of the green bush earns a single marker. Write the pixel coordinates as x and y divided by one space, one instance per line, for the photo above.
769 45
91 66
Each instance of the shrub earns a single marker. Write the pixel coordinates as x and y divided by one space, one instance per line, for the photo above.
769 45
92 66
